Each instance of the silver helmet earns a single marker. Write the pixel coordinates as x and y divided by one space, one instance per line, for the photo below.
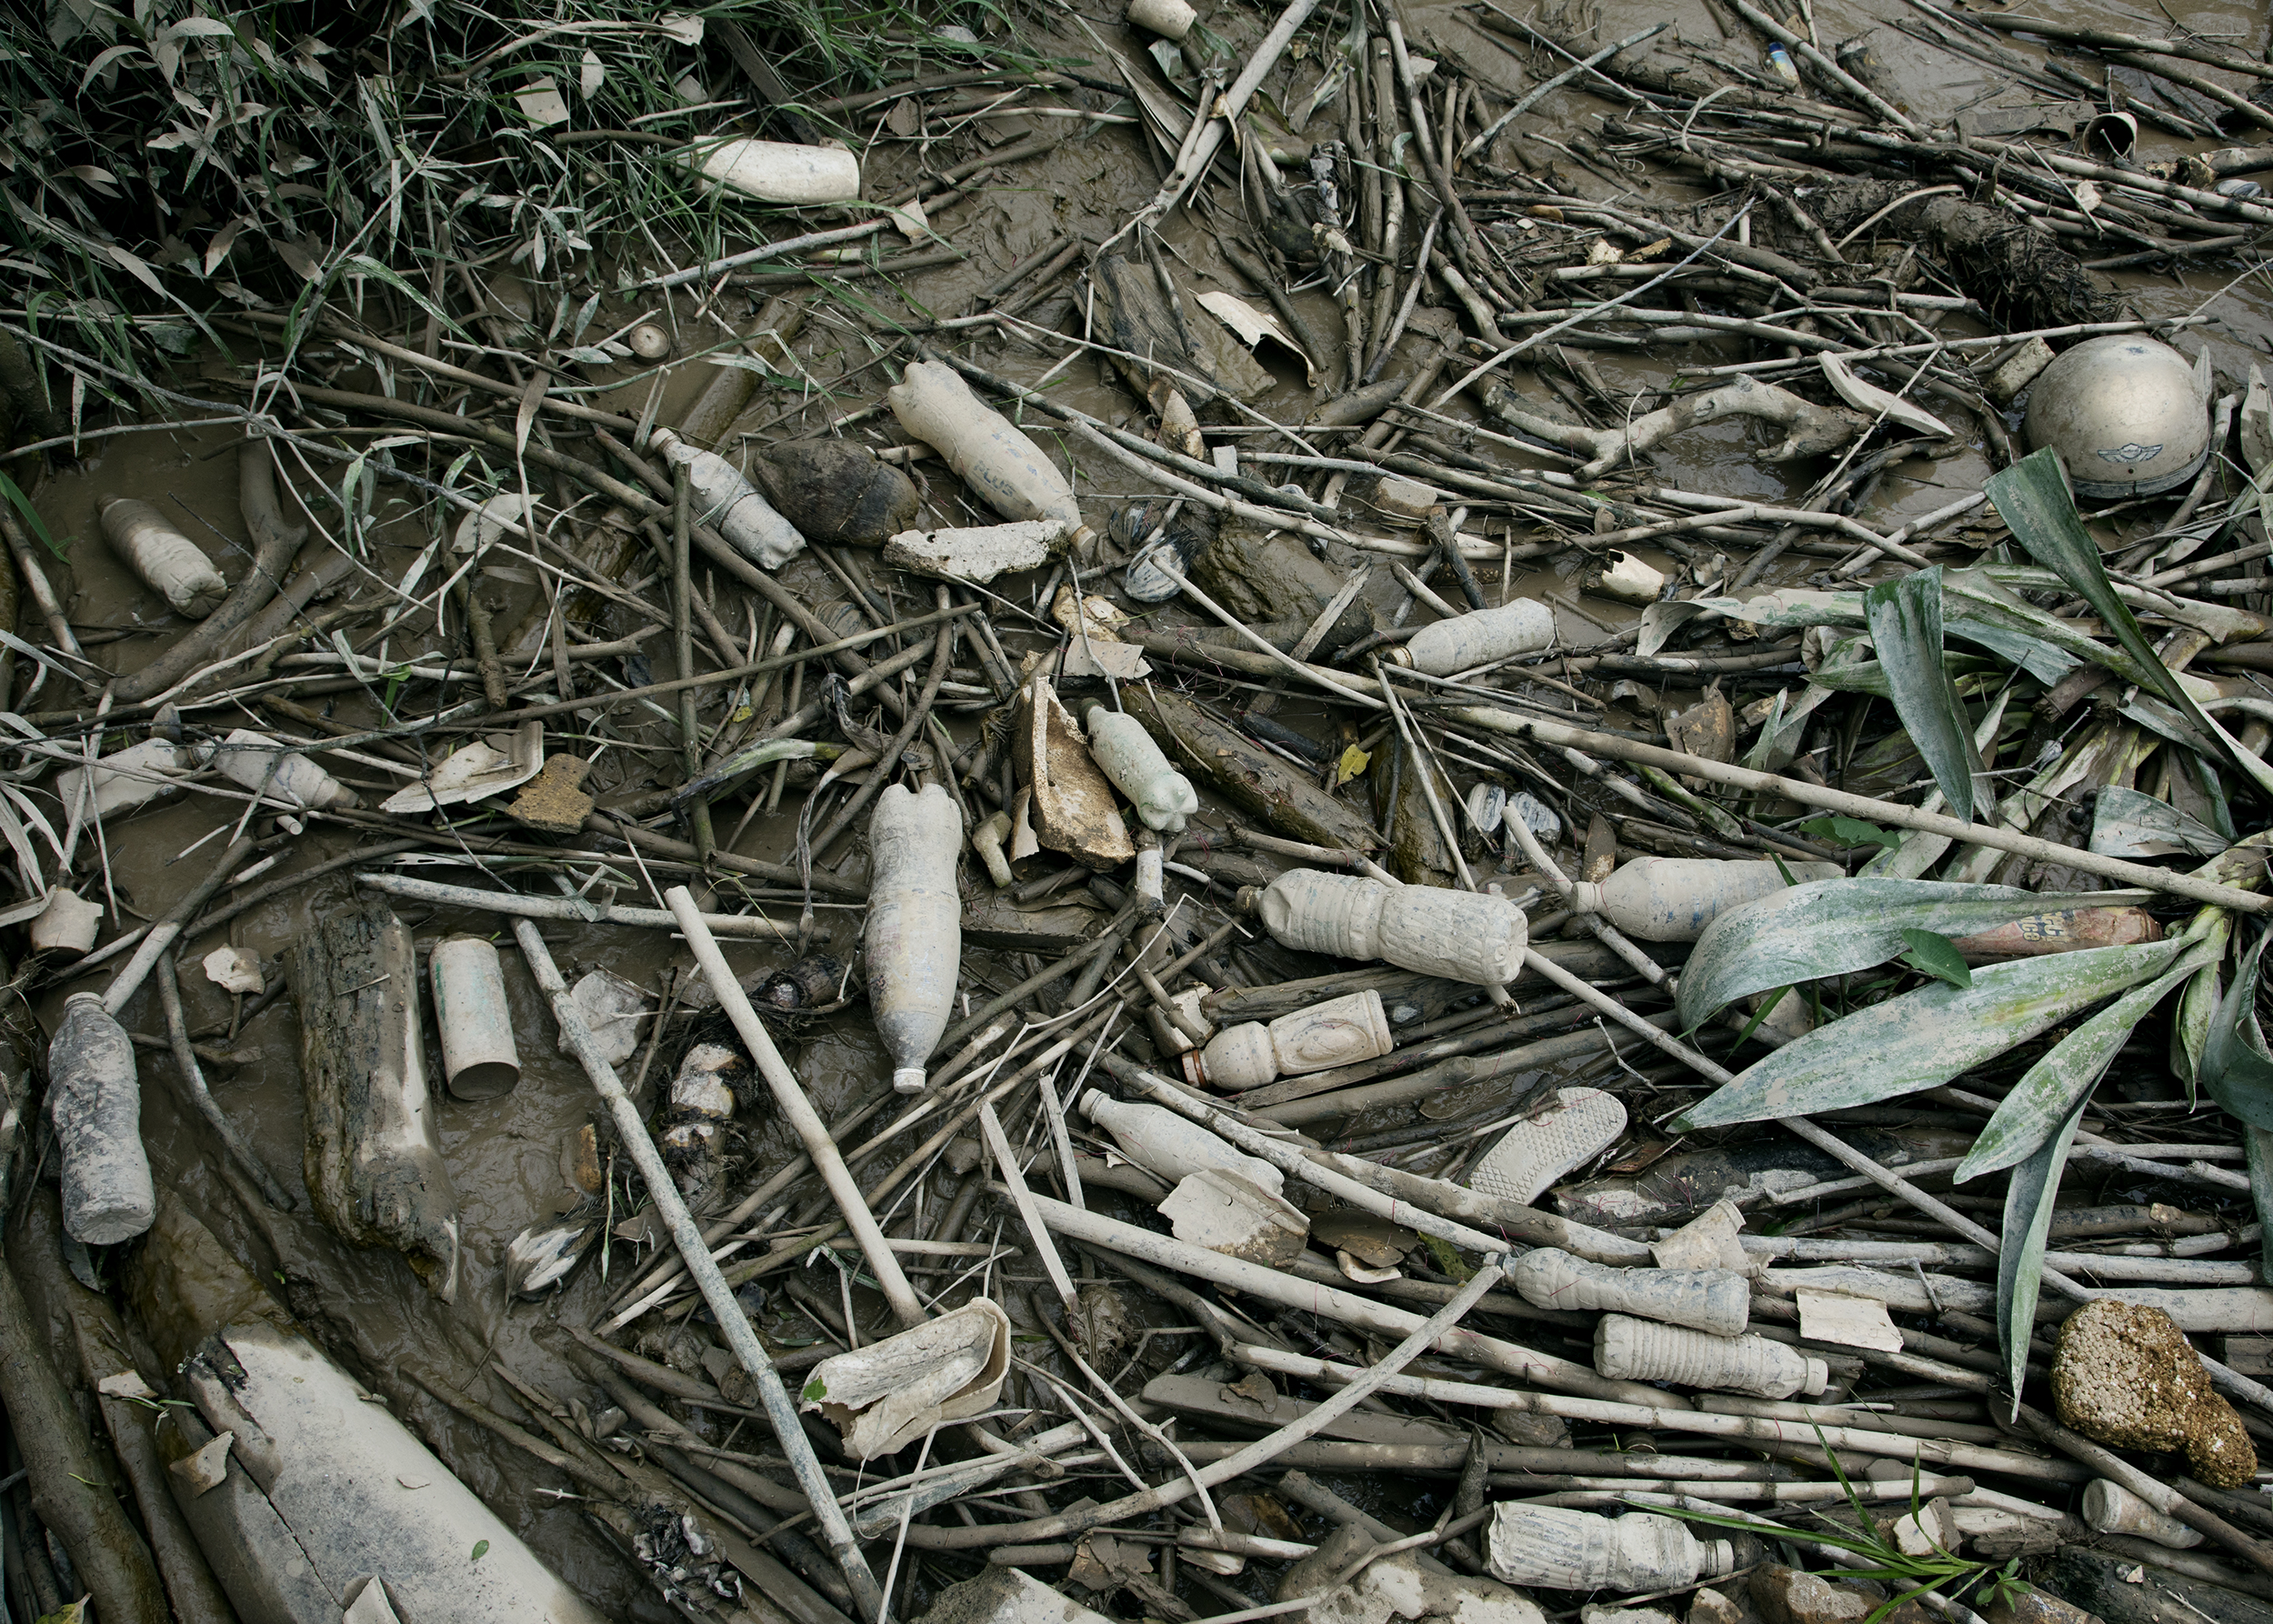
2126 416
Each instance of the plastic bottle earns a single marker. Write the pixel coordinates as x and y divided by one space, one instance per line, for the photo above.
479 1061
1160 1141
1714 1300
1461 936
1567 1549
2065 931
781 171
1632 1350
96 1100
1337 1032
124 782
1171 19
2111 1509
987 452
167 561
915 933
1468 641
1125 753
1672 899
724 498
837 491
244 757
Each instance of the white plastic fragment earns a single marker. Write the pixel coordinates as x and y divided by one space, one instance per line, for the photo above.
1226 1214
779 171
1461 936
1708 1240
1631 1349
490 523
1713 1301
1868 397
475 772
1630 577
1396 1587
209 1467
915 932
611 1007
890 1393
1536 1152
125 1383
1850 1321
1253 326
167 561
235 969
977 554
66 925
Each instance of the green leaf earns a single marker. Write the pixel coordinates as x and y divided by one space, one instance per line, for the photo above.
2261 1144
1836 926
31 521
2125 823
815 1390
1923 1039
1905 617
2032 498
481 1549
2234 1069
1841 830
2049 1091
2029 1203
371 267
1937 955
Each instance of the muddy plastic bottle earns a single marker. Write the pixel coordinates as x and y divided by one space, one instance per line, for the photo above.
1461 936
1338 1032
987 452
1171 19
479 1061
1714 1300
246 757
781 171
2111 1509
123 782
1160 1141
167 561
1125 753
915 932
837 491
96 1100
724 500
1632 1350
1468 641
692 1121
1672 899
1567 1549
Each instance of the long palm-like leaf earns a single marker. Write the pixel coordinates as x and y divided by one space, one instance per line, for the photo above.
2029 1203
1923 1039
2234 1069
1837 927
1905 618
2047 1093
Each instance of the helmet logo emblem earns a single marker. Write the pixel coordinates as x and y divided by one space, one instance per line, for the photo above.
2130 453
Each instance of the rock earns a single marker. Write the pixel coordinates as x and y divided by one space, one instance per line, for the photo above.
1787 1595
554 802
1397 1586
1625 1615
1074 807
1007 1595
1713 1606
2127 1377
1532 1431
235 969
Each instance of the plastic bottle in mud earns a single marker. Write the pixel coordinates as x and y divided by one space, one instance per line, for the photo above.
1568 1549
247 757
96 1100
1715 1300
1672 899
1160 1141
779 171
986 450
1125 753
1339 1032
167 561
1632 1350
724 498
1464 642
1461 936
915 931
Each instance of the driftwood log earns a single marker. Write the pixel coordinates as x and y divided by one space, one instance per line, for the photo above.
374 1171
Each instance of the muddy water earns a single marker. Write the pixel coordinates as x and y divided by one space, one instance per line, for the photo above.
506 1155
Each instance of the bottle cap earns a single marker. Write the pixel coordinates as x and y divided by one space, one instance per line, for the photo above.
908 1079
1585 897
1250 897
1195 1067
1818 1376
1397 654
1089 1102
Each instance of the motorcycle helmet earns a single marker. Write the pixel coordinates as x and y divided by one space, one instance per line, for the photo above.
2126 416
